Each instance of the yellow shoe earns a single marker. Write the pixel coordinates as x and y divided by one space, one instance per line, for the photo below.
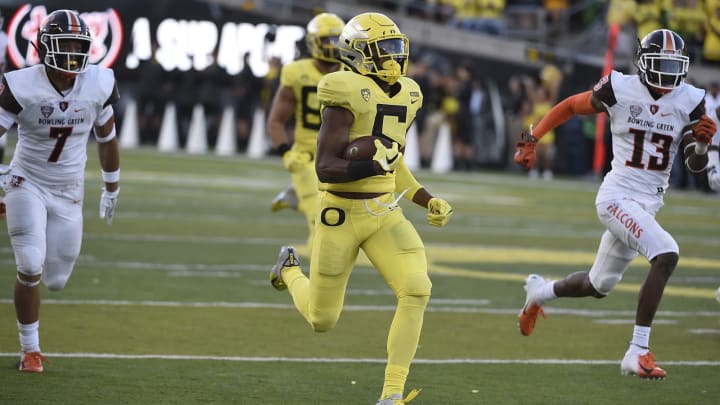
287 258
285 199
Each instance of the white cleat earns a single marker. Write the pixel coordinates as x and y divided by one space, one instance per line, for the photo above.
641 365
531 310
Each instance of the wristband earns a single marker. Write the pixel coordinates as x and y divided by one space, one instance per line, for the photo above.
111 177
282 149
360 169
701 148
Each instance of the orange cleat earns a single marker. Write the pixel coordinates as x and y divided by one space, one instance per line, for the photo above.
642 365
32 362
528 317
531 310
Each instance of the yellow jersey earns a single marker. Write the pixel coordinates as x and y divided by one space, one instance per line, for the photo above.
376 113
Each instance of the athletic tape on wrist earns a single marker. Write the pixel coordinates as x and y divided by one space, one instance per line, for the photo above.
701 148
111 177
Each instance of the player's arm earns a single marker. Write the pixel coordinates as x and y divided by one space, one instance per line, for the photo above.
281 111
332 141
578 104
439 211
106 137
109 154
697 136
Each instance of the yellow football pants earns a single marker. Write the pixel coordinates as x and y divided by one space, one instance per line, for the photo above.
395 249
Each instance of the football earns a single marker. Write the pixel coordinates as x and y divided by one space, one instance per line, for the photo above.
363 148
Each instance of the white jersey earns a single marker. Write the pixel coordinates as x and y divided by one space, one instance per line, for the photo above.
646 132
53 128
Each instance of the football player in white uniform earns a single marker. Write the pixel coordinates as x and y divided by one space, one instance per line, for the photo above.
55 104
653 115
3 66
712 104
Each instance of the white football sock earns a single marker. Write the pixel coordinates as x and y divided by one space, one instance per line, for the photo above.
29 336
641 338
546 293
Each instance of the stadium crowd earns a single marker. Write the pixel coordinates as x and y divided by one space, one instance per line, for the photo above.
458 96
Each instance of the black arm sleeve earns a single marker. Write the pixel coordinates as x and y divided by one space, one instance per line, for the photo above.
604 92
114 96
7 99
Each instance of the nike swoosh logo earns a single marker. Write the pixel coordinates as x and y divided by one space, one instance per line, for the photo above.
79 109
413 101
647 371
665 114
393 159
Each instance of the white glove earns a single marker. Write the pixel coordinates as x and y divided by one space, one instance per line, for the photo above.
108 202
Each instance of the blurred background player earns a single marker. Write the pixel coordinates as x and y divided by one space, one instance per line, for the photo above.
712 105
653 114
297 97
55 104
3 66
358 207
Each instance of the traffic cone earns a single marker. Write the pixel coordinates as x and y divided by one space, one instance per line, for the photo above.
258 143
226 140
412 148
197 133
168 138
442 161
129 133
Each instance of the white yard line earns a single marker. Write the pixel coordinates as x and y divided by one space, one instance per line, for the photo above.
351 360
386 308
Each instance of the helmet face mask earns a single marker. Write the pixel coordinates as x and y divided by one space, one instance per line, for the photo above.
63 42
662 60
322 36
372 45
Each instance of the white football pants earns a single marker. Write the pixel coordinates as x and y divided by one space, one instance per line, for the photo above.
631 229
45 229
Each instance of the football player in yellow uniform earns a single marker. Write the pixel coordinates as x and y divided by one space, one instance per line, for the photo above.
297 95
358 206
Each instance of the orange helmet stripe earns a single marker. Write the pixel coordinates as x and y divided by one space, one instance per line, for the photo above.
669 42
74 23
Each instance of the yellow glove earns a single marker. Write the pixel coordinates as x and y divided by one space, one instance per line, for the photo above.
439 212
387 158
294 160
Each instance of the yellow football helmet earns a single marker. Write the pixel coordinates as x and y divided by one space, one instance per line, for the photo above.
371 44
322 36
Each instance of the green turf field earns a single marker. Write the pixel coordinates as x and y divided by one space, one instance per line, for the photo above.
172 304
